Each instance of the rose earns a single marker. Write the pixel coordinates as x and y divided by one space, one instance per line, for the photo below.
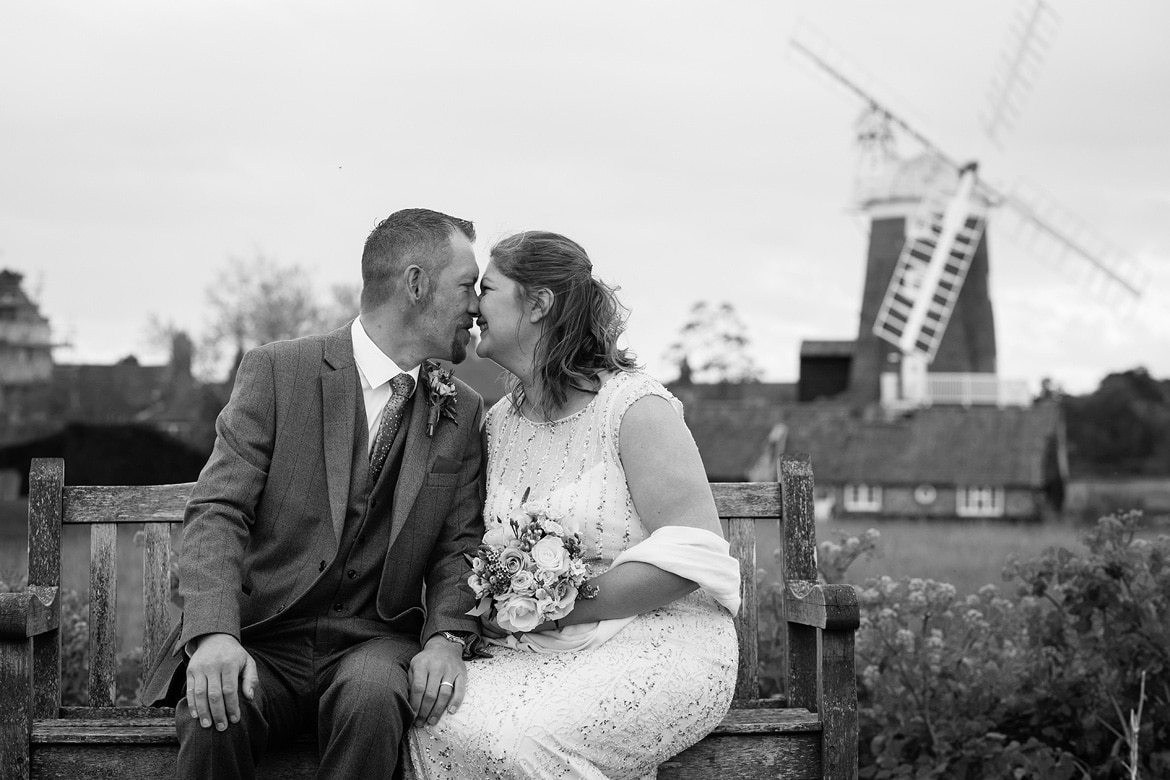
477 585
523 582
551 526
519 613
498 535
513 559
549 554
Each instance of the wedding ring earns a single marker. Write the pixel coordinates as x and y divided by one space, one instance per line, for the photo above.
447 683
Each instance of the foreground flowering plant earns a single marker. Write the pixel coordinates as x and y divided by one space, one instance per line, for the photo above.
528 570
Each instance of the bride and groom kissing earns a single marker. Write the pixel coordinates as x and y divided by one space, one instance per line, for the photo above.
328 548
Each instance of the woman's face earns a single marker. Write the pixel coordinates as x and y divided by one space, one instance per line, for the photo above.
505 333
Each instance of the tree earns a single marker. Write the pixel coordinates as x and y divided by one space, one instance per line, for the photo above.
713 346
346 305
257 301
1121 428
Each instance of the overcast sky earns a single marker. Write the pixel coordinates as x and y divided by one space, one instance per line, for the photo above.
146 144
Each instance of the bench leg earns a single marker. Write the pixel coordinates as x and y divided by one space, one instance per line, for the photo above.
838 705
15 707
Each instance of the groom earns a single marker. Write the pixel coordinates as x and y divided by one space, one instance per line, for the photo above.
322 568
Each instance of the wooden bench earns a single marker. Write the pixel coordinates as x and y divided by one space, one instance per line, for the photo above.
810 735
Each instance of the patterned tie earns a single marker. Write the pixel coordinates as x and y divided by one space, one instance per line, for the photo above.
400 387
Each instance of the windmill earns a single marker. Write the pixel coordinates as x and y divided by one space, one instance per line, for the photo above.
926 304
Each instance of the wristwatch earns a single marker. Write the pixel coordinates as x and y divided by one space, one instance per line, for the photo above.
461 640
470 642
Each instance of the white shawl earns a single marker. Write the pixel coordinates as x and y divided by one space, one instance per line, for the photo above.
694 553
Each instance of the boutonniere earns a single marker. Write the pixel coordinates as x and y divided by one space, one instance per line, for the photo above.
440 389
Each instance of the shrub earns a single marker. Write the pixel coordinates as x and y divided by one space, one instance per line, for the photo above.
1040 681
1096 624
938 674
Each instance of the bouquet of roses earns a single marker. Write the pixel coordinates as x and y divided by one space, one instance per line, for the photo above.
528 570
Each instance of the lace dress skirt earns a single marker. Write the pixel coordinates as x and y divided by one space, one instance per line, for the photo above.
615 711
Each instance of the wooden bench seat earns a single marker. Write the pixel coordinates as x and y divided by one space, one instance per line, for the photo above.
811 734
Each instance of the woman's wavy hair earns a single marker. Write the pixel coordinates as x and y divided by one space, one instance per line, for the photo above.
581 329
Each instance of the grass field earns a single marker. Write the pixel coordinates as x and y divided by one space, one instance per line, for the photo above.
967 554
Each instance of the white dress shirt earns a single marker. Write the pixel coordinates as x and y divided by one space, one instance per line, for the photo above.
376 370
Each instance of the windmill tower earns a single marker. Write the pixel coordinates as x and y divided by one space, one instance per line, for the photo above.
903 328
927 328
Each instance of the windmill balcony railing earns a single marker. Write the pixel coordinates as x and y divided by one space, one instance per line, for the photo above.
953 389
975 390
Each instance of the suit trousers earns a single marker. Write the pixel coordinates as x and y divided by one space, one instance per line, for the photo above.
344 678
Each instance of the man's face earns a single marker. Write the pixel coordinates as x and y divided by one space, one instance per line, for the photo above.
449 314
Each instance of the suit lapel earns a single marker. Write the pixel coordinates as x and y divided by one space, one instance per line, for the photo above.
414 463
338 398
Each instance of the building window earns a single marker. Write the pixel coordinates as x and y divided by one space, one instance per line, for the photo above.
980 501
863 498
925 494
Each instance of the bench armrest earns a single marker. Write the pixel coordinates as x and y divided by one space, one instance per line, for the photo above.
29 613
831 607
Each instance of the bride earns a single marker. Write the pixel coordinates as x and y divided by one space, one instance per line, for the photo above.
647 667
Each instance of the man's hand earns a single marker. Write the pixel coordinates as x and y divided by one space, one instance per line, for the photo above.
216 671
437 679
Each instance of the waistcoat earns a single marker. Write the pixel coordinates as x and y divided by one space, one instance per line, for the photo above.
348 585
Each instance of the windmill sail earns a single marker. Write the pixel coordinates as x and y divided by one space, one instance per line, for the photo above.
929 274
1031 33
1050 227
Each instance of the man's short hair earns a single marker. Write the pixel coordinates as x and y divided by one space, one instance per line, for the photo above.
405 237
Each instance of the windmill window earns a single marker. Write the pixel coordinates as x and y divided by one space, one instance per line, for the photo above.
863 498
979 501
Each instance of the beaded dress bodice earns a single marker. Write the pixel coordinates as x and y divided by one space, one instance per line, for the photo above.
571 464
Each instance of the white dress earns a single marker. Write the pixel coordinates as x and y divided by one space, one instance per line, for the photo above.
614 711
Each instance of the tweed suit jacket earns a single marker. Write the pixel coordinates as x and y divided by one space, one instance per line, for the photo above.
270 504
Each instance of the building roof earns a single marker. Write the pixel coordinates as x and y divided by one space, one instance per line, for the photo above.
732 437
16 302
761 393
827 348
937 445
1009 447
101 393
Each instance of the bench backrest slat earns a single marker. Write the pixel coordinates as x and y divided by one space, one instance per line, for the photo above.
741 536
103 622
156 586
760 500
128 504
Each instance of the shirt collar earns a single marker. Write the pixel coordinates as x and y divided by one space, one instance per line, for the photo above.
374 365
